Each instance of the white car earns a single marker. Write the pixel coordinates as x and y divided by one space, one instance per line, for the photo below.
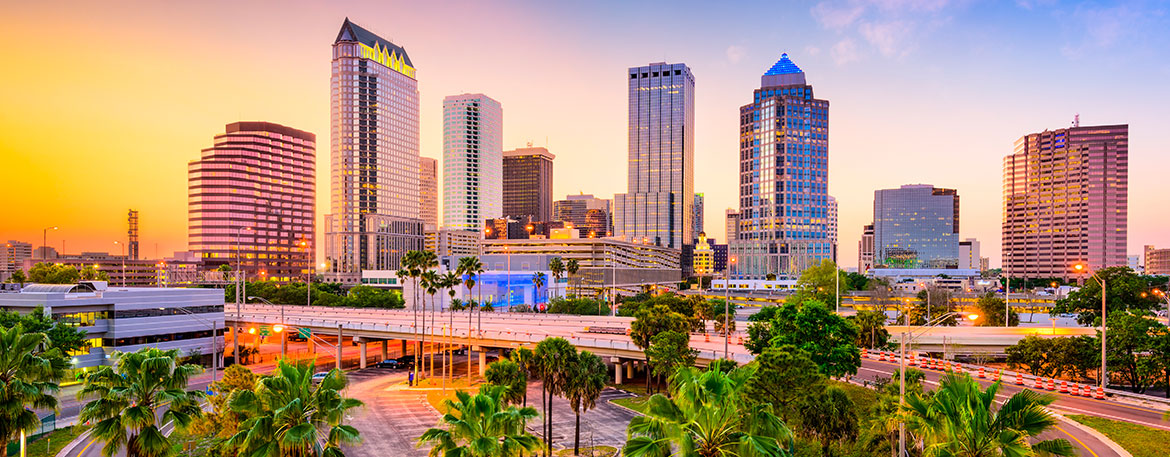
319 376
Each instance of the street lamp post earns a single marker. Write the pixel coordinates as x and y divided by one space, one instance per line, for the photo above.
727 309
279 328
239 284
906 335
308 277
123 246
1104 374
214 343
45 242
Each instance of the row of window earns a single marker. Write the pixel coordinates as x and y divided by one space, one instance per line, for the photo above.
152 339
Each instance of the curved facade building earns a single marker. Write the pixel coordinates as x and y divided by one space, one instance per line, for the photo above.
251 201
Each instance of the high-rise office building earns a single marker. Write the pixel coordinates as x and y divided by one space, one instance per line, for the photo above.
1065 201
704 257
252 201
428 192
590 215
375 217
969 258
528 178
865 250
658 205
697 218
13 256
784 177
132 233
916 226
833 225
473 128
732 225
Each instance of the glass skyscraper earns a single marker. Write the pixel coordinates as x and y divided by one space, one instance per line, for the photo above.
784 206
658 205
528 178
473 133
916 226
374 173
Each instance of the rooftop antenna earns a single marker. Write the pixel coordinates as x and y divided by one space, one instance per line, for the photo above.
1077 120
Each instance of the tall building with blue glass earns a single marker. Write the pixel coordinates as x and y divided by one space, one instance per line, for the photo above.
784 220
916 226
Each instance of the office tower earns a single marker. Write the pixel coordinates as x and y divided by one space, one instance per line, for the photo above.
984 263
473 127
697 217
528 178
1065 197
1156 261
732 225
658 205
132 234
784 177
833 226
969 258
865 250
720 253
251 201
916 226
428 192
375 216
703 257
447 242
590 215
13 256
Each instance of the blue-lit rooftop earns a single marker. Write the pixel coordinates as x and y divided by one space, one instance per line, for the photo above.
784 66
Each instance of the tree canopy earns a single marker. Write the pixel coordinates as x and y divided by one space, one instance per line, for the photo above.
830 339
51 273
1124 291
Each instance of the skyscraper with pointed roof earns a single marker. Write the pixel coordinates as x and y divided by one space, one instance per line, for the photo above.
784 221
374 143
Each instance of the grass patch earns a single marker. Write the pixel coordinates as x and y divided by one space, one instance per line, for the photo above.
1139 440
51 443
635 403
863 398
595 451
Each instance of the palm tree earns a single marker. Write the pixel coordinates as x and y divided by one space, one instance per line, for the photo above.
429 280
29 371
554 356
481 426
525 359
451 282
557 268
583 386
509 374
538 280
289 416
958 421
129 397
469 268
707 415
572 268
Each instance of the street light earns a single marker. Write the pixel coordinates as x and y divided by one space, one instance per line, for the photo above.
123 246
239 294
1104 374
308 275
280 326
727 309
214 345
902 368
45 242
1159 293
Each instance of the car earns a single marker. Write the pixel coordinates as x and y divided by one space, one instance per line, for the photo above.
460 351
406 361
319 376
388 363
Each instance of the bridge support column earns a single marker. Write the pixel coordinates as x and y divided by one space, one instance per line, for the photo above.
362 357
340 335
617 370
385 351
482 361
629 366
403 346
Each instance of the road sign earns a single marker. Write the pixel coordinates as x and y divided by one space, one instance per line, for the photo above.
304 333
263 330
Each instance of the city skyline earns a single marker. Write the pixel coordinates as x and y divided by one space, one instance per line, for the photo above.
938 87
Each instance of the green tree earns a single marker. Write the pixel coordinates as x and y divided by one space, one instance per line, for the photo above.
1127 343
49 273
887 414
557 268
786 374
1125 291
760 329
830 417
829 338
670 351
88 273
1032 352
226 270
18 277
871 327
855 281
290 416
958 420
129 396
1160 355
65 338
991 308
526 360
721 316
538 280
554 356
508 374
707 415
222 423
933 303
583 385
652 321
481 426
29 371
820 281
1076 356
571 267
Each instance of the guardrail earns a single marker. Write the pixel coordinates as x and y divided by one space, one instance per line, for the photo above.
1013 377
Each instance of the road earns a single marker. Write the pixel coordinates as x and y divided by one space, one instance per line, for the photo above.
1087 444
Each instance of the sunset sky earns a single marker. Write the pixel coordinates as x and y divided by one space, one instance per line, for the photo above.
104 103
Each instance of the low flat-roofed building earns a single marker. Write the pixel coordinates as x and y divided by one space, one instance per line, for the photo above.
452 242
127 319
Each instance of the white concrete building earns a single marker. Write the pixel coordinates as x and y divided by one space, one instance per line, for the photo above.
473 131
